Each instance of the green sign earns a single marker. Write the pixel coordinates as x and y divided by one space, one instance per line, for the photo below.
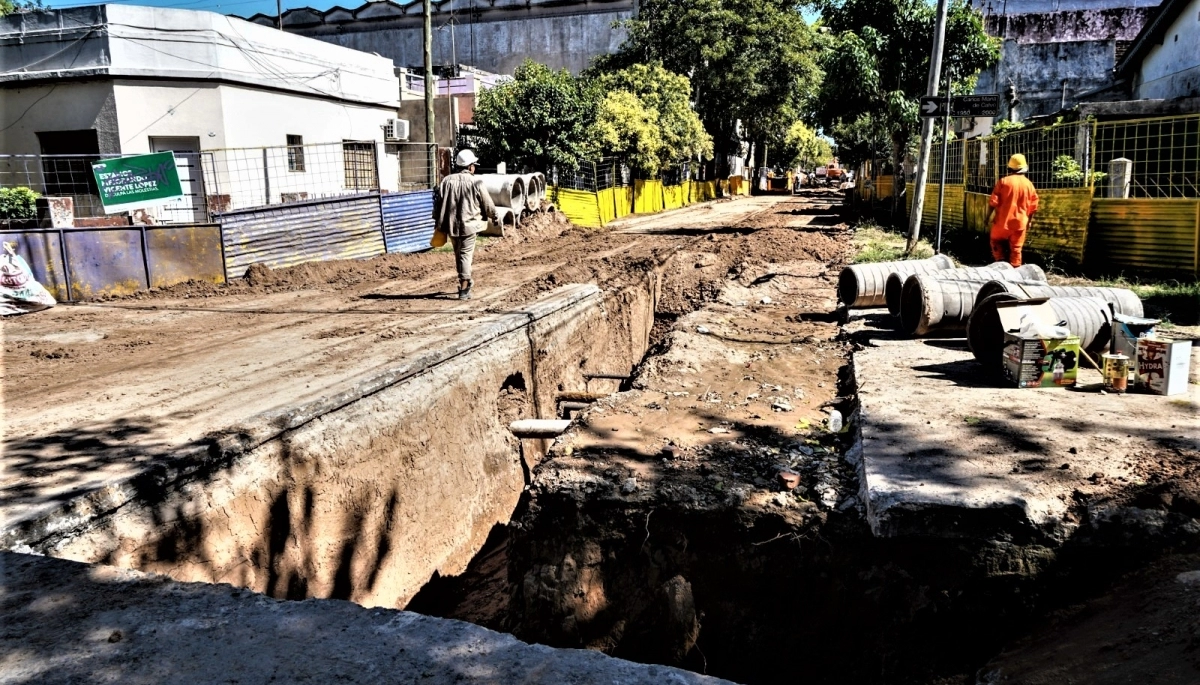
129 183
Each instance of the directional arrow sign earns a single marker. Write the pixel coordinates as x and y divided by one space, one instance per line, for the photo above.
933 107
973 105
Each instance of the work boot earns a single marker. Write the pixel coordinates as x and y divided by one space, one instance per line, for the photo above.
464 293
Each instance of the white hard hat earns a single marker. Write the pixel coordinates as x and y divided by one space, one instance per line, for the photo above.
465 159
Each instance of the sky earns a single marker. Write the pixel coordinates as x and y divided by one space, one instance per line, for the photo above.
242 8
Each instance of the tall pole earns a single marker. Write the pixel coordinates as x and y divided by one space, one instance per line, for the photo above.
931 90
945 154
279 14
430 137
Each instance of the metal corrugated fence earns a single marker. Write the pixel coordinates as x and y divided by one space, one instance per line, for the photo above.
285 235
407 220
1146 234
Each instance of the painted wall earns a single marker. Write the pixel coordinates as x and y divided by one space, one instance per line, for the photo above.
567 36
1172 69
60 107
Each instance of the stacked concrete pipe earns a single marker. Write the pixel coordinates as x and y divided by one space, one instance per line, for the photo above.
929 304
1086 316
1000 271
862 285
506 190
1126 301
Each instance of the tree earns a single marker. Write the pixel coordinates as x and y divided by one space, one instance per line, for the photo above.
748 60
625 127
879 65
14 6
665 98
539 119
801 145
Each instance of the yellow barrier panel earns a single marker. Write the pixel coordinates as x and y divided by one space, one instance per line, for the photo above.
1060 226
647 196
623 201
1146 235
606 204
580 206
672 197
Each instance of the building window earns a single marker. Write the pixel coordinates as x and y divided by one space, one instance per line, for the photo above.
295 153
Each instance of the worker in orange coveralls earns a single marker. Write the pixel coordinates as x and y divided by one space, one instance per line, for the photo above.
1013 203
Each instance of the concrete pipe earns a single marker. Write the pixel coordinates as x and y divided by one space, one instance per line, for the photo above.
1001 271
531 192
1126 301
506 190
1087 317
539 428
862 285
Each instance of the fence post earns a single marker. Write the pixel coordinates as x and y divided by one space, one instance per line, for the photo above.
266 179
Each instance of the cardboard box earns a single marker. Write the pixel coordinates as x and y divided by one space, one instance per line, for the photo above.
1162 365
1035 361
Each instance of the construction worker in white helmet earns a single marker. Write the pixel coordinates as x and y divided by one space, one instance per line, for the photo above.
462 208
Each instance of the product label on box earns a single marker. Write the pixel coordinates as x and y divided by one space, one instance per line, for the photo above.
1037 363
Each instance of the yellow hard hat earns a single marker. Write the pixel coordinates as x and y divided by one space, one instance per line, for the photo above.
1017 163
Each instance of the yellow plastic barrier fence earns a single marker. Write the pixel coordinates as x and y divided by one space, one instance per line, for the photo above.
647 196
581 206
672 197
623 199
606 202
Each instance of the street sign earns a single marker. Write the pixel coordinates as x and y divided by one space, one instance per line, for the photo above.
962 106
975 106
933 107
138 182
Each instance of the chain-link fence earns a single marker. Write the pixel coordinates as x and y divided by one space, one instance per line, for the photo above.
215 181
1165 155
254 177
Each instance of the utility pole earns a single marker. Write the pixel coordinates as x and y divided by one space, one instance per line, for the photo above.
430 137
931 90
945 153
279 14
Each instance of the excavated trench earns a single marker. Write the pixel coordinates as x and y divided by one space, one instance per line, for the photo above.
762 595
414 494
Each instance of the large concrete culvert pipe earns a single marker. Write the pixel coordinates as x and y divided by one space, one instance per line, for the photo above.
506 190
533 196
1126 301
862 285
943 306
1000 271
1086 317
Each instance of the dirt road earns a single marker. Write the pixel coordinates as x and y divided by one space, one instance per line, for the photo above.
94 390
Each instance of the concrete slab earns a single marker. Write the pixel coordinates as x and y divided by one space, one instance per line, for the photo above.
66 622
948 451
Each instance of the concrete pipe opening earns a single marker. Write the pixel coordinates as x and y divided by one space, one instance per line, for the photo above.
929 305
862 285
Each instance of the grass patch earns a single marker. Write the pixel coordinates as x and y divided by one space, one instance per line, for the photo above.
873 243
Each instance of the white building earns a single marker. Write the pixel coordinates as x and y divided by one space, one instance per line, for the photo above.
120 79
1164 61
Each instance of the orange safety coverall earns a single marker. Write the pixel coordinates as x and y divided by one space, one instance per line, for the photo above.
1015 201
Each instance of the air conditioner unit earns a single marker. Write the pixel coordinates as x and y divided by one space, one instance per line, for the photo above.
395 129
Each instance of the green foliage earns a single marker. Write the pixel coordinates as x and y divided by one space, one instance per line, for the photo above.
801 145
539 119
1004 126
18 203
1068 172
753 60
878 65
660 98
14 6
625 127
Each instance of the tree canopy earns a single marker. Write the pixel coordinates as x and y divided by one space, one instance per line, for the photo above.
542 118
12 6
802 145
878 66
748 60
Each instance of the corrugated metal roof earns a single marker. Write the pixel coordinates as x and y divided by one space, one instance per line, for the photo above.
286 235
407 220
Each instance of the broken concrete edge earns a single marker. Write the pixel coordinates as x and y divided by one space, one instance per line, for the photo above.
219 450
139 627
